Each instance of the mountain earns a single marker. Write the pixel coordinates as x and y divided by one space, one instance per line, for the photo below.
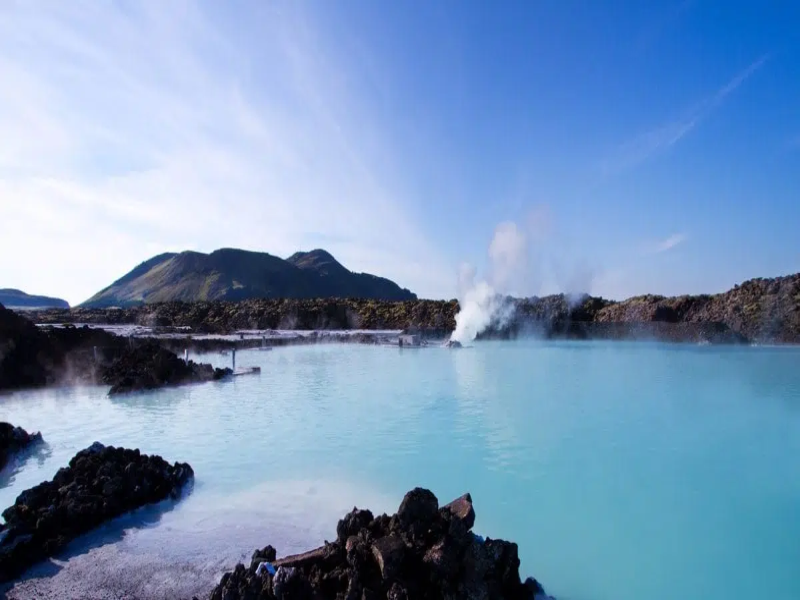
231 274
12 298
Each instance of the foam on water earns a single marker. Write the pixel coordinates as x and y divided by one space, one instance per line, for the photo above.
624 471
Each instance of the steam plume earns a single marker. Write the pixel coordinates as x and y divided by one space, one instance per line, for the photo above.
486 303
481 304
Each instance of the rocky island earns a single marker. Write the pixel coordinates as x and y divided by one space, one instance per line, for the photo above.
423 551
99 484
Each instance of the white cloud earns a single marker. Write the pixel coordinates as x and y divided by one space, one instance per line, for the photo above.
131 129
649 143
669 243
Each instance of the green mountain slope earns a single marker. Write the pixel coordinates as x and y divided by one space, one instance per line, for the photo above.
231 274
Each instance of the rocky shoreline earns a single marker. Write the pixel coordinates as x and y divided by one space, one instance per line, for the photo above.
423 551
99 484
759 310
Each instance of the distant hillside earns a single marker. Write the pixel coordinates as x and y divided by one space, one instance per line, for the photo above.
232 275
19 299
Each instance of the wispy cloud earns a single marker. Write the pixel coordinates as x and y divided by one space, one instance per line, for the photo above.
133 129
668 243
644 146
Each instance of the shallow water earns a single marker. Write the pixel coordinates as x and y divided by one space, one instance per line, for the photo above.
624 471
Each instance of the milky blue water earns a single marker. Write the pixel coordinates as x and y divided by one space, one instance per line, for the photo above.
624 471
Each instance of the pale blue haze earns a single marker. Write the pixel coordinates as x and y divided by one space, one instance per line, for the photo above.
656 143
624 471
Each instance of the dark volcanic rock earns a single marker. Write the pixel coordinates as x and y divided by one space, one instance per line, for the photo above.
421 552
13 439
99 484
32 356
149 366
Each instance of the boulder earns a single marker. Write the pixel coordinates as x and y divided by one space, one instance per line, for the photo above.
388 552
99 484
420 552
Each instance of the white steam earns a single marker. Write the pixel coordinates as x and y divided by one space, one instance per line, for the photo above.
482 304
485 303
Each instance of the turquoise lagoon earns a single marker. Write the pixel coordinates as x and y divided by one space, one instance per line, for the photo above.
624 471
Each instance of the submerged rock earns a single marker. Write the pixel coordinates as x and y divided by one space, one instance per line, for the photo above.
13 439
423 551
99 484
150 366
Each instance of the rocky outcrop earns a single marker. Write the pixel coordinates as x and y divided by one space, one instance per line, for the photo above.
13 440
423 551
99 484
32 356
149 366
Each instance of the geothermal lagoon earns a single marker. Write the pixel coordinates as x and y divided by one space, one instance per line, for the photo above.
624 471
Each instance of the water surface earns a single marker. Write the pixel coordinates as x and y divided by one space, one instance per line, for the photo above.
624 471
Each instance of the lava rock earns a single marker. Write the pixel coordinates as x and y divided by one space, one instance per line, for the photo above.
462 509
420 552
150 366
14 439
99 484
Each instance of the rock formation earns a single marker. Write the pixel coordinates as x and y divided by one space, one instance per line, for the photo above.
13 440
99 484
422 552
149 366
32 356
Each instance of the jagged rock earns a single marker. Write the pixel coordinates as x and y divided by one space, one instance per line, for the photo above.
421 552
266 554
462 509
99 484
388 552
13 439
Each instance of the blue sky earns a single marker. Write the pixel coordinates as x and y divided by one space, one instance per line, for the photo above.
616 148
